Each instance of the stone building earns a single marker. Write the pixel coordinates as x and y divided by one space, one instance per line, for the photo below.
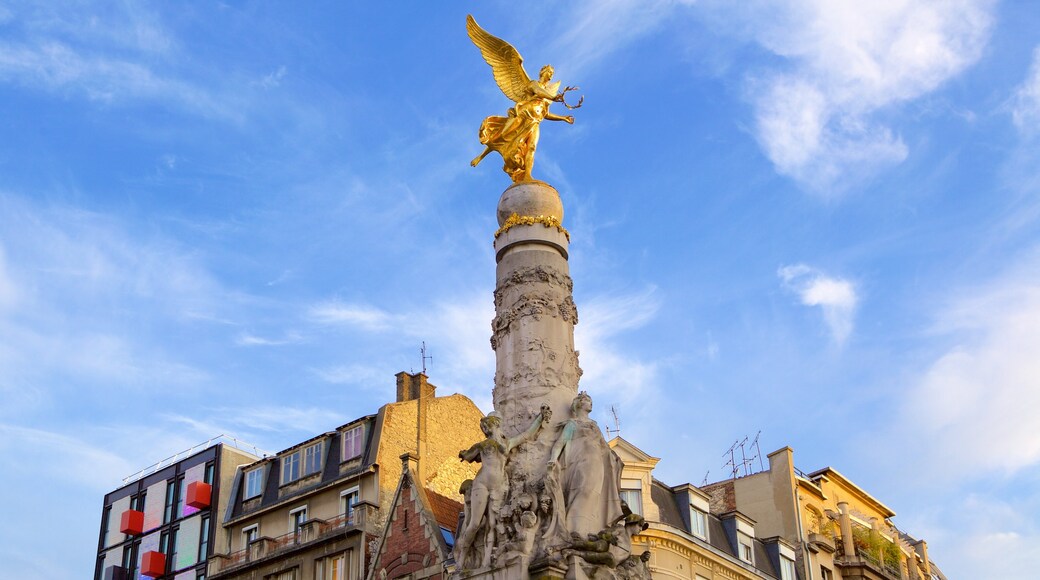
685 539
316 509
837 528
419 535
161 522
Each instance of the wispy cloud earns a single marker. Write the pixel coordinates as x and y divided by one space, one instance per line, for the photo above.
843 63
67 457
1025 109
594 30
608 367
363 316
980 395
250 339
836 297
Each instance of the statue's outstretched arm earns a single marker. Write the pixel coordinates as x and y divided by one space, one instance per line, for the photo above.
565 438
555 117
472 454
536 424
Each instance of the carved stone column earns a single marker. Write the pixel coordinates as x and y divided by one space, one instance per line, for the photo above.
845 523
533 330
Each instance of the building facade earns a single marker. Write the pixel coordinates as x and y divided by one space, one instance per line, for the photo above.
317 509
685 539
837 528
419 535
161 523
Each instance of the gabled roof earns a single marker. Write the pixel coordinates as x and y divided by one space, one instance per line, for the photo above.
630 453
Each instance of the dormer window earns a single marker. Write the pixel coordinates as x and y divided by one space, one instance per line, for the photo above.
632 494
353 442
745 551
698 523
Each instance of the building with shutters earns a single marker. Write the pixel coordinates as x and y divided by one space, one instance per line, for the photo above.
162 521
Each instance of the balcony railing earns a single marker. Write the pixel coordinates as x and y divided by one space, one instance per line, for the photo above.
867 557
310 531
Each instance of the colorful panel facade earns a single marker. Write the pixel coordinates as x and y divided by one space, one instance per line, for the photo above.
188 543
149 543
155 500
189 575
118 507
191 475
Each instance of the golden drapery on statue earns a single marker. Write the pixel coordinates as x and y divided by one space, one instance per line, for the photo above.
515 136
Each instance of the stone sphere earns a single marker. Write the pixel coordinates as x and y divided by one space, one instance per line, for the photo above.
530 198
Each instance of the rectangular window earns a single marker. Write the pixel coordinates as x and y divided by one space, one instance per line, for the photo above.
297 517
353 442
698 523
825 573
348 499
291 467
251 533
634 499
204 539
312 458
106 522
254 482
183 489
331 568
745 552
130 559
208 476
173 550
286 575
787 569
171 497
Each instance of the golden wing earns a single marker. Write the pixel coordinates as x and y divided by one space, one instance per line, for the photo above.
506 63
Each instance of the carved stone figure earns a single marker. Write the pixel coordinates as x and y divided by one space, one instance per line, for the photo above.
591 472
489 487
515 136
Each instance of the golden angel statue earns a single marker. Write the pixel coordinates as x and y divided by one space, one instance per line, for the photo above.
515 136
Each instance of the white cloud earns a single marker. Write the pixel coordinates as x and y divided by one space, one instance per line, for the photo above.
66 458
846 61
836 297
980 396
596 29
250 339
363 316
608 368
1026 103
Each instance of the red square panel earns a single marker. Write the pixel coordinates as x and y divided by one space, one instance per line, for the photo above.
198 494
153 564
132 522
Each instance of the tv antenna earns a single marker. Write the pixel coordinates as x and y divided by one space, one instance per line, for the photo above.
732 463
617 424
425 357
758 451
706 474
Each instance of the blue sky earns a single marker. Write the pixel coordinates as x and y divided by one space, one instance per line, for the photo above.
816 219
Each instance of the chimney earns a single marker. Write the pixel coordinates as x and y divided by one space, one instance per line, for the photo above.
413 386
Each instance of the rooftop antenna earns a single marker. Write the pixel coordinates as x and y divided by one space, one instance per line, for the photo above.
617 424
706 474
732 463
758 451
425 357
744 461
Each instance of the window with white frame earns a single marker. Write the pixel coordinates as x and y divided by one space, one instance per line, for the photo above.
290 574
250 533
254 483
698 523
348 499
825 573
297 517
745 550
291 467
787 569
632 494
353 442
332 567
312 458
